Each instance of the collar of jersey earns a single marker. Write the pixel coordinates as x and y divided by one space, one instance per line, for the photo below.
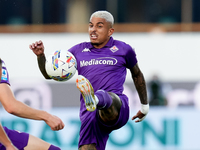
109 44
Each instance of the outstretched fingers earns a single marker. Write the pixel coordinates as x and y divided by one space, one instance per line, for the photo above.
140 116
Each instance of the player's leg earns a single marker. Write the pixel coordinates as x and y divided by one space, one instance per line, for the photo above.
37 143
112 109
26 141
88 147
19 139
109 104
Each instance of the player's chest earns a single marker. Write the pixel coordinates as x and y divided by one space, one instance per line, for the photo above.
98 59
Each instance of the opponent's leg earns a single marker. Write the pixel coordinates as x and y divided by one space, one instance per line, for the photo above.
37 143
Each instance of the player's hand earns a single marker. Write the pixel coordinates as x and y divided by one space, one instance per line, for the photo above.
139 115
37 48
55 123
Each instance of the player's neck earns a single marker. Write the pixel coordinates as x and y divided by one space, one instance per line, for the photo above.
100 45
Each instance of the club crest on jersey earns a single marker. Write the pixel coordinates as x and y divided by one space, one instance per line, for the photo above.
114 49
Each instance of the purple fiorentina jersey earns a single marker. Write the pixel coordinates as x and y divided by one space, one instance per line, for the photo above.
5 76
105 68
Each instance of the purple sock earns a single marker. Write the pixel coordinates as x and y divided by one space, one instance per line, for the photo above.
52 147
105 99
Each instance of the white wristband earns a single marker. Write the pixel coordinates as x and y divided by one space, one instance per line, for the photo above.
144 108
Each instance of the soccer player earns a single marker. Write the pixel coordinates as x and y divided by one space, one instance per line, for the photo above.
22 140
102 65
3 136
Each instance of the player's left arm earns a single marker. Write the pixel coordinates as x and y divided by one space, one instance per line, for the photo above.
140 85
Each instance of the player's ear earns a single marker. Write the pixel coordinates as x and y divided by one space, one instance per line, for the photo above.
110 32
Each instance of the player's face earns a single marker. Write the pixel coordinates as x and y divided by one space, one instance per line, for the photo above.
100 32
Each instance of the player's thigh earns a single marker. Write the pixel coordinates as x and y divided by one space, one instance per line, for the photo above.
36 143
88 147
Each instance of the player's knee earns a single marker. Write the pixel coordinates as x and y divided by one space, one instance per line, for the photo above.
116 101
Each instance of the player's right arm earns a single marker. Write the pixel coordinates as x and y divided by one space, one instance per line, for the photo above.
38 50
140 85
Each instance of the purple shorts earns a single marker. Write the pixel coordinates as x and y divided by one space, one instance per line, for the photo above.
19 139
94 131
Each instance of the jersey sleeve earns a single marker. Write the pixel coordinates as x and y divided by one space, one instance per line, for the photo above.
5 76
131 59
75 49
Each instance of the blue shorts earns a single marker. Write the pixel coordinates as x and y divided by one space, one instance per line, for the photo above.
94 131
19 139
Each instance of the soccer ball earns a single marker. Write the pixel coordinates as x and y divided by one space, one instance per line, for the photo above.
61 65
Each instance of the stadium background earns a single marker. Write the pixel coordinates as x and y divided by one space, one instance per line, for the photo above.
165 35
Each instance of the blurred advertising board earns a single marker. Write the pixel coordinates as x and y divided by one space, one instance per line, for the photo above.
163 128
